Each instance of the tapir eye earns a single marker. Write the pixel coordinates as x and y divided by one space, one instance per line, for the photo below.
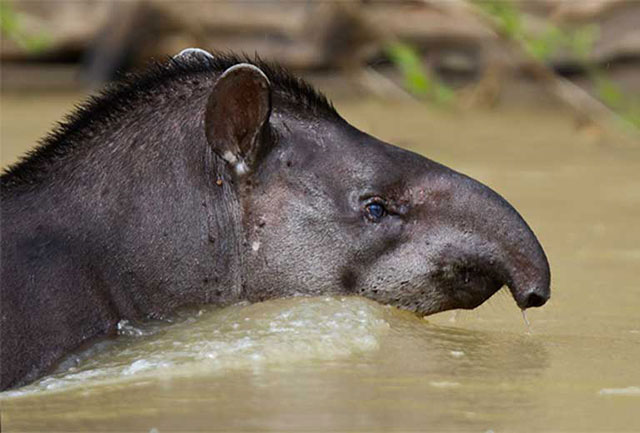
375 211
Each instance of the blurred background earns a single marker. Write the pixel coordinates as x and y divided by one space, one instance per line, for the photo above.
539 99
580 56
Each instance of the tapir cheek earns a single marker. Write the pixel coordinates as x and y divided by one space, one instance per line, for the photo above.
390 229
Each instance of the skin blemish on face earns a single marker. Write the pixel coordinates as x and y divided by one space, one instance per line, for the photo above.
416 196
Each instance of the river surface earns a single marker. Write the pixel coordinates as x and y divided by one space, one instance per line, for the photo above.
349 364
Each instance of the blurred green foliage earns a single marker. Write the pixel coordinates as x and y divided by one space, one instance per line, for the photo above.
11 27
418 80
577 41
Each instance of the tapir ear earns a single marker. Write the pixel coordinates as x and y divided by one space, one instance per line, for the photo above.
237 115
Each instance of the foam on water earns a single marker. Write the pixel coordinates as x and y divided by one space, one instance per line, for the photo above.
237 337
630 390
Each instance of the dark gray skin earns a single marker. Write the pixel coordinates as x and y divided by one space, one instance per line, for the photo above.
205 182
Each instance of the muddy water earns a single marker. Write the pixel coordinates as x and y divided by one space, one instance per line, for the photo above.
350 364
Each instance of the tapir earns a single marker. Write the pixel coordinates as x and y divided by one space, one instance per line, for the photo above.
215 179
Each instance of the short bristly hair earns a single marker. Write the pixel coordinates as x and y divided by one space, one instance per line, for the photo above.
122 95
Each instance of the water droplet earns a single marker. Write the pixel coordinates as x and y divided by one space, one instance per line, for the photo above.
526 321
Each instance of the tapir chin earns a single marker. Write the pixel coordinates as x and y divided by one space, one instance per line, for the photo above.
215 179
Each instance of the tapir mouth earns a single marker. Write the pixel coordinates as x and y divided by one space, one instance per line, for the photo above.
470 274
467 286
476 287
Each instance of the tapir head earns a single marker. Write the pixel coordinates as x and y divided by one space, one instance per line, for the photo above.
328 209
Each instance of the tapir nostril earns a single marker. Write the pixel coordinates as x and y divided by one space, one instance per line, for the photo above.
535 300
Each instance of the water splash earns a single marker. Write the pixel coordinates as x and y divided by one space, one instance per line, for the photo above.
249 337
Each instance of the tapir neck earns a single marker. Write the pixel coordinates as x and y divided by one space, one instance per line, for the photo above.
146 210
133 222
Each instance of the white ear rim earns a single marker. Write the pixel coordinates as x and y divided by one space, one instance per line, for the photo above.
245 66
193 51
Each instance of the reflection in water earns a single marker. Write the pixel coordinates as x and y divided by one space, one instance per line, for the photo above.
350 364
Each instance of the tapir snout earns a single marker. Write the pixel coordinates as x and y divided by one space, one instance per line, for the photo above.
478 241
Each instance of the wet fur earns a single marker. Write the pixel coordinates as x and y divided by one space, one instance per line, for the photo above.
95 116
